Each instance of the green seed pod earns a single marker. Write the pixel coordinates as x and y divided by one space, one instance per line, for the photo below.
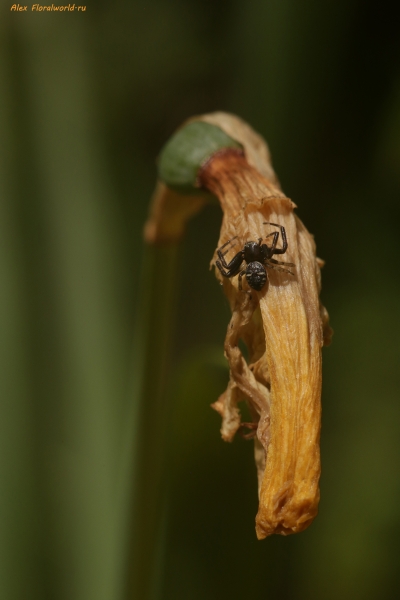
187 150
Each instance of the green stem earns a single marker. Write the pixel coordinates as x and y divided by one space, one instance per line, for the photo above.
153 345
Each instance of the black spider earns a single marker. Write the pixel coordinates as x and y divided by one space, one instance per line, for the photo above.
257 256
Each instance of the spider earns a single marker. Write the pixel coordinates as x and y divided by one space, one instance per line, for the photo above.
257 256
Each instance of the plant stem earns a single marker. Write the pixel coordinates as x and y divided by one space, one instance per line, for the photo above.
153 345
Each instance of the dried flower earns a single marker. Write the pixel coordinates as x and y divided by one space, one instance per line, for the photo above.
284 327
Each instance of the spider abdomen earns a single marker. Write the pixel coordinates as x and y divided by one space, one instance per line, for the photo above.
256 275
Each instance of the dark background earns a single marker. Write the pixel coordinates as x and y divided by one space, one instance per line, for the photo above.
86 102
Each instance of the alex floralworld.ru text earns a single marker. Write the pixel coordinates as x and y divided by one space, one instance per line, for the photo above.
40 8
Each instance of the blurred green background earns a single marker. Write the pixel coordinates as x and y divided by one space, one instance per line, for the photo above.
86 102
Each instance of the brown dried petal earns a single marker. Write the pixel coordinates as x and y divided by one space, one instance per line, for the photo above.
282 383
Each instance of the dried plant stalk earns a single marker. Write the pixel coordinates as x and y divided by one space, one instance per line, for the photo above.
284 327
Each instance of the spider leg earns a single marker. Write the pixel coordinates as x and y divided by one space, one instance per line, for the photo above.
229 273
273 249
278 268
232 267
226 243
240 278
280 262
